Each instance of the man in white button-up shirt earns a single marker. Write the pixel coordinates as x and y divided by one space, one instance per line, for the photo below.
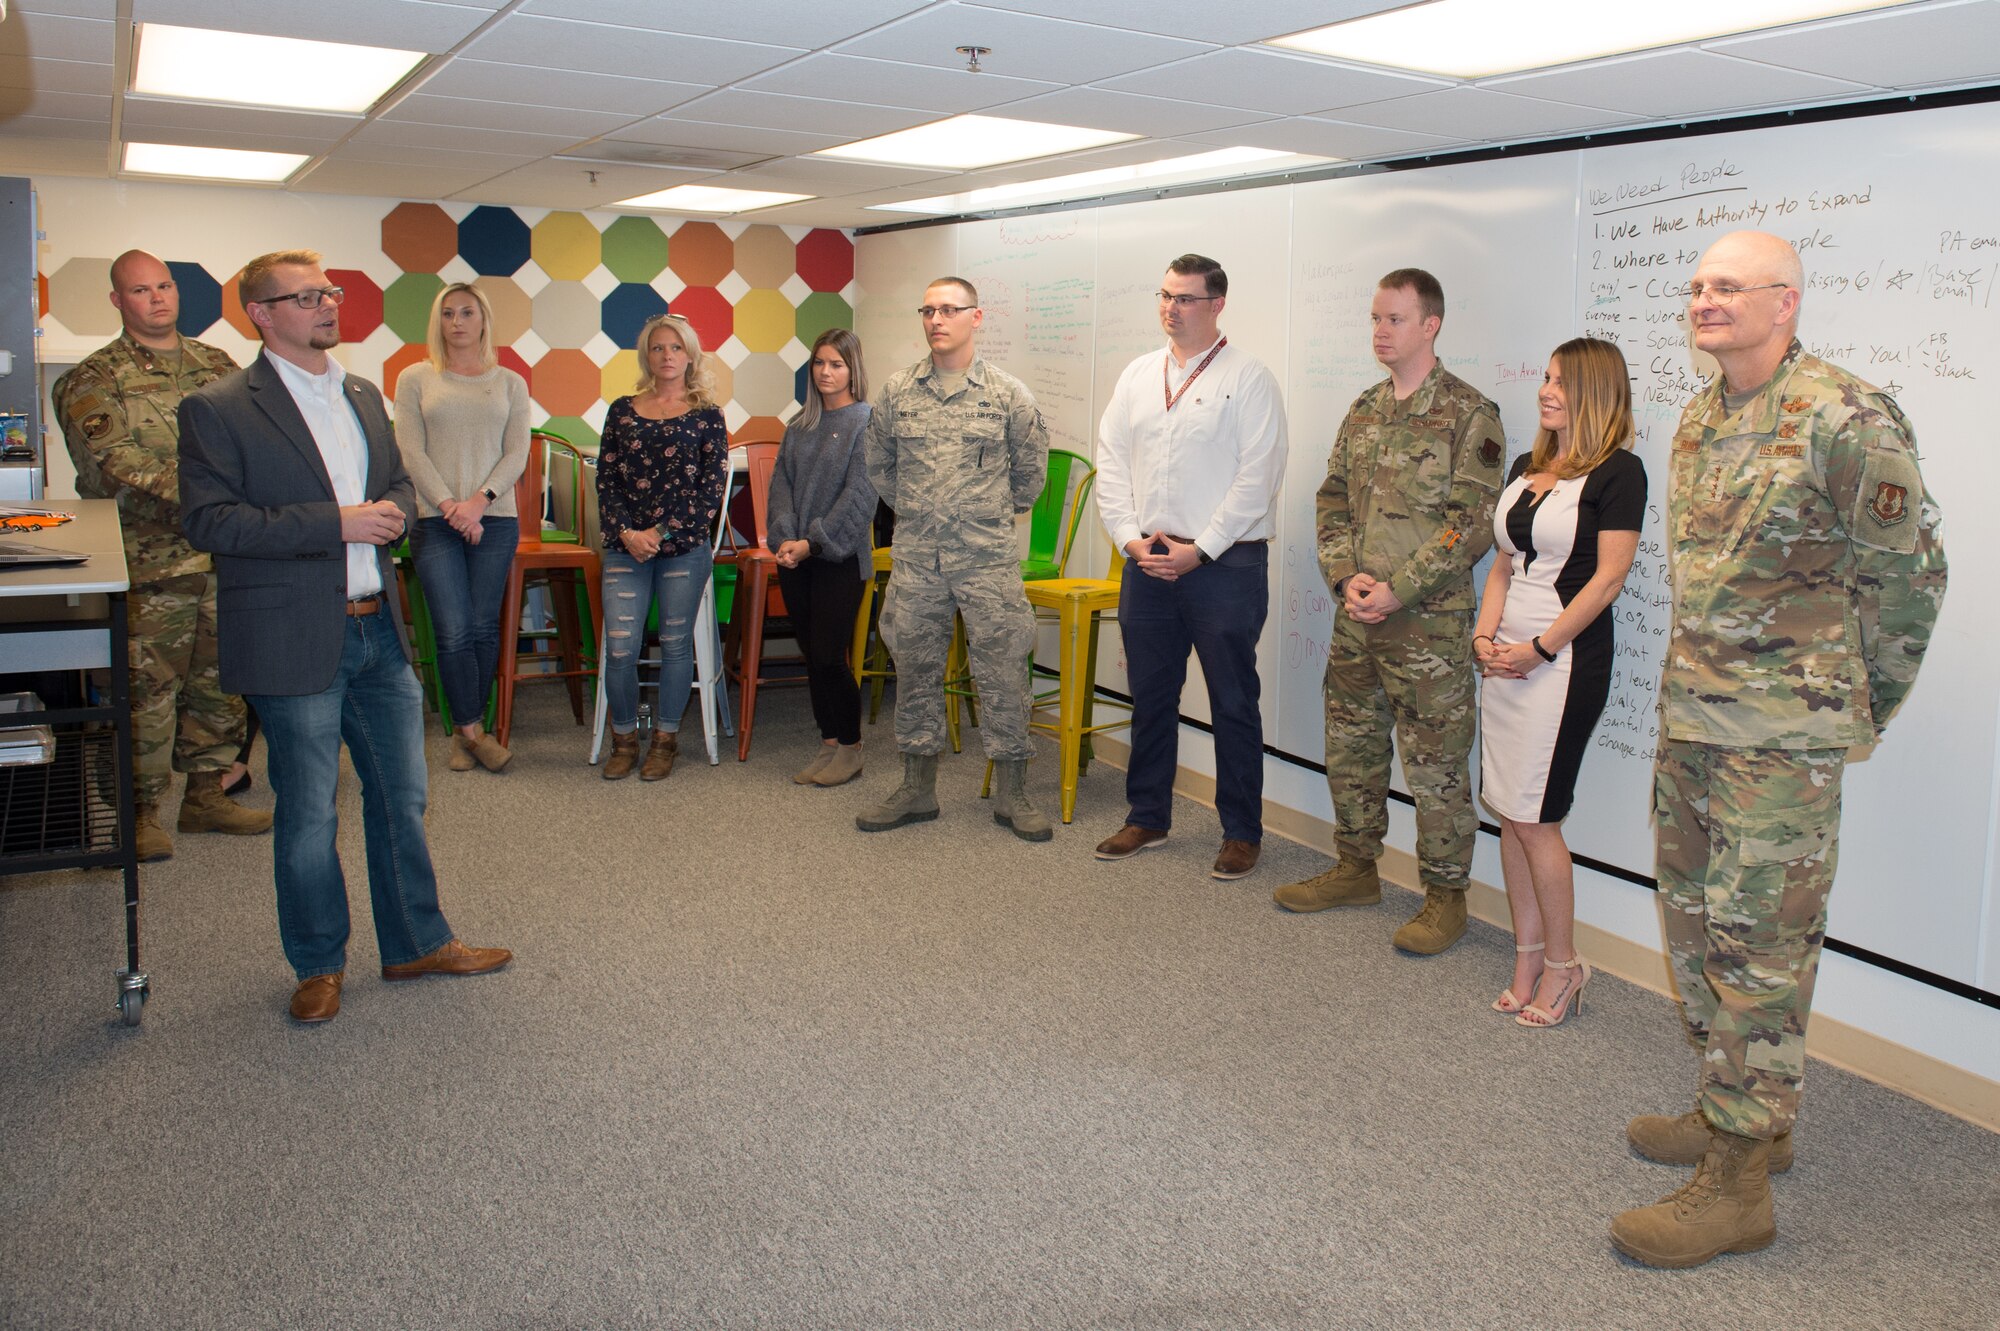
1191 452
291 477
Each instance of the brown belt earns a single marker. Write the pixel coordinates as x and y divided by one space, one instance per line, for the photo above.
1189 540
364 606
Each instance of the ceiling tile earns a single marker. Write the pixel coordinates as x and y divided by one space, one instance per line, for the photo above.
826 177
55 127
1023 45
489 81
1116 154
408 25
619 152
242 139
888 83
674 132
1129 113
408 154
101 9
1481 113
57 37
1208 21
200 117
804 23
769 110
1899 48
18 71
455 138
1684 82
551 184
1267 81
470 114
27 155
594 48
381 180
56 105
1328 138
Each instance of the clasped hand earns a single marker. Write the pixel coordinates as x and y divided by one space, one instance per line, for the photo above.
1505 660
790 553
466 517
375 523
1163 557
1368 600
642 543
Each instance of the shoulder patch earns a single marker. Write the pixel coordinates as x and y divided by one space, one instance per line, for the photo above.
1490 452
96 426
1886 501
1890 504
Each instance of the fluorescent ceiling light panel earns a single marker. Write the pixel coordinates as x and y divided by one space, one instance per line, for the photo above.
709 199
203 65
1086 184
965 142
166 159
1473 39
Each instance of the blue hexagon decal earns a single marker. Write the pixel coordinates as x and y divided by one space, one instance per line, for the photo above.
495 241
627 308
201 297
802 382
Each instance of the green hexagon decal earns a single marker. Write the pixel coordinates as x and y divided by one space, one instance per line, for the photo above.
635 249
406 305
820 311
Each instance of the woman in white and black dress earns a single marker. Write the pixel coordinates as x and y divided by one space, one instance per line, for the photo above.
1565 531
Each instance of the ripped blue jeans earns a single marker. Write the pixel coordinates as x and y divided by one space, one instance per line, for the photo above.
630 589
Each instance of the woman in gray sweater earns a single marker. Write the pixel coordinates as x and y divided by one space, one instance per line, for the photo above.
821 508
462 426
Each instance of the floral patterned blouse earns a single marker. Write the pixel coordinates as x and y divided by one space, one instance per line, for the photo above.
668 475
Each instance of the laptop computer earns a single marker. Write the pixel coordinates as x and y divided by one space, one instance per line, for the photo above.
25 554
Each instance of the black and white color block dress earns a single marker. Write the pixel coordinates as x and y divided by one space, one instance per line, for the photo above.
1533 731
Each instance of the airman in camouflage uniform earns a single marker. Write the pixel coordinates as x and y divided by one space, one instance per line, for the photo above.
119 411
1808 567
957 447
1405 512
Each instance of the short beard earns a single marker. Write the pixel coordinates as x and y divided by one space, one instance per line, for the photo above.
325 341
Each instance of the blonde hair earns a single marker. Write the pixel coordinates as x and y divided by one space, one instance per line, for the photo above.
1597 393
434 338
700 383
848 347
257 281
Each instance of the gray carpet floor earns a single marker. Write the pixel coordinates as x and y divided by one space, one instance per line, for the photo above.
752 1068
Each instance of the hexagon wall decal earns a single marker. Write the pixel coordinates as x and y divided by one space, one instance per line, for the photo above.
635 249
495 241
419 237
201 298
360 304
406 305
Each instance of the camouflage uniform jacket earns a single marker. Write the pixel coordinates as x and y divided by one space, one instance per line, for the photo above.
956 470
1410 489
1807 563
120 413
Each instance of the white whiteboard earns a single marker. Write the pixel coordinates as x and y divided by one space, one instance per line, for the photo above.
1900 233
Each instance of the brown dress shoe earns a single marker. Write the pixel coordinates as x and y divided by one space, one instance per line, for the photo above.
1129 840
660 755
1236 860
454 958
317 998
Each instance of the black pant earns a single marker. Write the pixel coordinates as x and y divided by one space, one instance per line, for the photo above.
822 597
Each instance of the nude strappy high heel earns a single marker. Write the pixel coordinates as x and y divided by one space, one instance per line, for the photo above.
1507 1002
1541 1018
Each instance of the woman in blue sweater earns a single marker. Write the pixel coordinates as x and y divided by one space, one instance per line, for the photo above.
820 510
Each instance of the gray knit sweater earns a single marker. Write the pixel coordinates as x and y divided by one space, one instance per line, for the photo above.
820 491
459 434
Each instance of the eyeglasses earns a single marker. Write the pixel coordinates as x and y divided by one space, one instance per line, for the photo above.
1723 295
944 311
309 299
1183 302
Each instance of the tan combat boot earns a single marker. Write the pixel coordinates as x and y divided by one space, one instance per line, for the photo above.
1010 801
148 837
624 756
915 801
660 755
1348 883
1683 1140
204 808
1725 1207
1437 926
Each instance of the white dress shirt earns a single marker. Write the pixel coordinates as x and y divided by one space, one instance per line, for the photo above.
1208 469
322 400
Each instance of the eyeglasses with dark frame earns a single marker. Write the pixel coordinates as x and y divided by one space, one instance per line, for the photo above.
1182 302
945 311
309 299
1721 295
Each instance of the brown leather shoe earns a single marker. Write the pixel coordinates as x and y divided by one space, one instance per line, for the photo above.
660 755
624 756
1236 859
454 958
1129 840
317 998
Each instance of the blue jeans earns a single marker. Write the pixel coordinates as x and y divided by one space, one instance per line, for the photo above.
1217 610
630 588
376 706
464 585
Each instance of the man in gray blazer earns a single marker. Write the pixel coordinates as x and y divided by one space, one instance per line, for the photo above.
291 478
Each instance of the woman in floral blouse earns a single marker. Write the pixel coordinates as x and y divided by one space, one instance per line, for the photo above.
660 478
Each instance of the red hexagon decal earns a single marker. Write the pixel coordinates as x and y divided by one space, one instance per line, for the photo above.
360 306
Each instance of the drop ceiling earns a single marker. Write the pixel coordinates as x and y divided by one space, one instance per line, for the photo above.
580 103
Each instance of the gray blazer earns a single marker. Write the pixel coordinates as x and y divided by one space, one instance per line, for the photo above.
256 495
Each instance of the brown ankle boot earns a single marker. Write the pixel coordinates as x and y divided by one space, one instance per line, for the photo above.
624 756
204 808
149 839
1725 1207
660 755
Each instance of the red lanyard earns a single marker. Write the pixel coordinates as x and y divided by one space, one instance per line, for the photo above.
1173 397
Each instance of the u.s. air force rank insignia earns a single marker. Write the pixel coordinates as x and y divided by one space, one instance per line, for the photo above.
1890 504
1489 452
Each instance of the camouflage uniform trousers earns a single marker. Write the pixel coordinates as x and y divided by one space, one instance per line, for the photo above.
1747 841
1412 671
917 615
182 721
